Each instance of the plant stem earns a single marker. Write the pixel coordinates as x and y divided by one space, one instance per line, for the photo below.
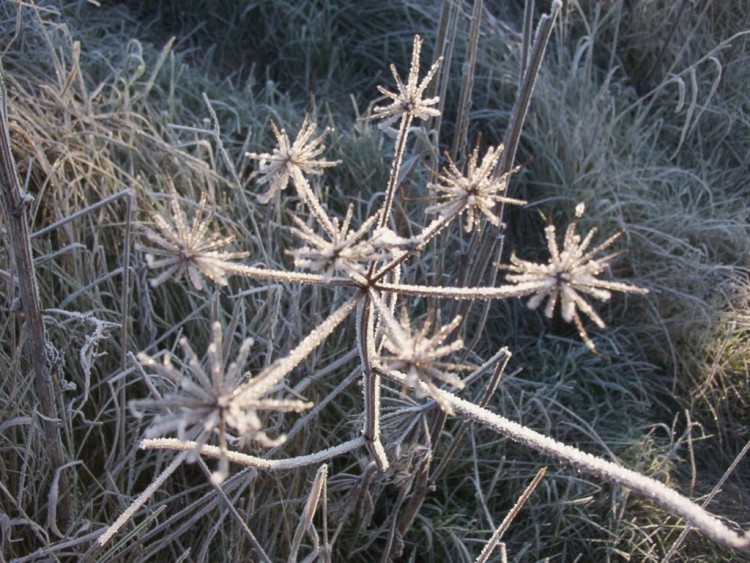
668 498
398 157
252 461
16 205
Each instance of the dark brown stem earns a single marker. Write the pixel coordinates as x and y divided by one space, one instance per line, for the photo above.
16 206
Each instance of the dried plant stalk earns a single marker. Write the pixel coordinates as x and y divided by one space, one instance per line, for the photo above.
16 206
668 498
498 535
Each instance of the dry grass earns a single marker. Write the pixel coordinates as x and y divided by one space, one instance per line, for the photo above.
640 110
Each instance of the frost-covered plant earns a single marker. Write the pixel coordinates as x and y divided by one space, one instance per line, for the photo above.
214 397
569 273
478 191
364 264
181 247
419 357
409 102
290 161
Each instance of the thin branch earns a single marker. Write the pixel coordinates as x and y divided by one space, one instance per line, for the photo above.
252 461
460 293
16 207
668 498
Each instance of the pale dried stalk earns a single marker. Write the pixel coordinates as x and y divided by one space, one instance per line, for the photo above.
142 499
371 383
501 529
668 498
252 461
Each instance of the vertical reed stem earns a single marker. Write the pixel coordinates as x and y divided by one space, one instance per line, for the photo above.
16 206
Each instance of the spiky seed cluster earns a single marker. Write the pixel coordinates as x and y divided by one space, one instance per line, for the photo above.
187 248
421 357
408 100
568 275
290 161
346 251
211 397
476 192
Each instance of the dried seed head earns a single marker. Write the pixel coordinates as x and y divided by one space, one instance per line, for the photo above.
186 248
290 161
211 398
477 191
408 100
568 276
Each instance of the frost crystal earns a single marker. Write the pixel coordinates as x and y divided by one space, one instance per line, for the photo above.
187 248
567 276
348 252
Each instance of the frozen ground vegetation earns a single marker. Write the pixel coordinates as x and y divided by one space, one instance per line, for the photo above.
296 333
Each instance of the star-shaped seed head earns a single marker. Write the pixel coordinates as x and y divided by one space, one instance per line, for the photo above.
569 275
290 161
421 357
211 398
186 248
345 251
408 100
474 193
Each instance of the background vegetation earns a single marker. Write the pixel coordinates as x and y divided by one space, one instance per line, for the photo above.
641 110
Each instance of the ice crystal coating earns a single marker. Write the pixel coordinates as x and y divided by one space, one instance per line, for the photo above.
347 251
568 276
187 248
419 357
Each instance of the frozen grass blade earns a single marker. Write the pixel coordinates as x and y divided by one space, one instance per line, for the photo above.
317 493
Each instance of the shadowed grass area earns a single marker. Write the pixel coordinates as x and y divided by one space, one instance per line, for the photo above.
639 110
